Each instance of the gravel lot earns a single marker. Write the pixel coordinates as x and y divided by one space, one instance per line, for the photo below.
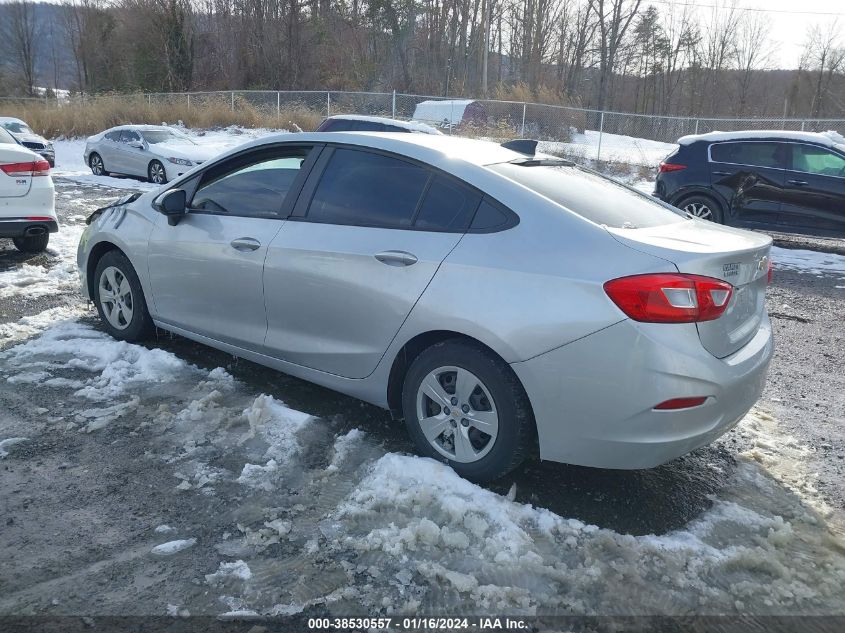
174 479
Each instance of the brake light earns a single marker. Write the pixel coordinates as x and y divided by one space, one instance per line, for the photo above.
666 167
670 297
34 168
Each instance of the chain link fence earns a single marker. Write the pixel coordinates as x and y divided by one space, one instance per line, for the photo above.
581 134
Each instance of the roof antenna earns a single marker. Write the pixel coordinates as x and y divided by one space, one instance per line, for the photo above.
525 146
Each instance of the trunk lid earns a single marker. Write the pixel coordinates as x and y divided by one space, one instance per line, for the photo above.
15 186
702 248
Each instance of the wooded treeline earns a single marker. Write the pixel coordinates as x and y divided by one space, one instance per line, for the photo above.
626 55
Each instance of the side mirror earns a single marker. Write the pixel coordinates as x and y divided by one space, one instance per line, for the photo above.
136 144
173 204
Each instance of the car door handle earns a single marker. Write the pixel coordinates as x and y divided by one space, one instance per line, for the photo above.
396 258
245 244
721 173
797 183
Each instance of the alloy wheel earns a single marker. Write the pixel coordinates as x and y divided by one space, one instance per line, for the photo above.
699 210
116 298
157 173
457 414
97 165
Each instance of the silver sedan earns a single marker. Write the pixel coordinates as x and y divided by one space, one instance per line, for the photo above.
155 152
495 299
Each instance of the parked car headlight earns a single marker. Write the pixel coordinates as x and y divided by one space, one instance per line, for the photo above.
180 161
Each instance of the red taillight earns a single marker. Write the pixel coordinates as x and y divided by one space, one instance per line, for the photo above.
40 218
670 297
681 403
34 168
771 271
666 167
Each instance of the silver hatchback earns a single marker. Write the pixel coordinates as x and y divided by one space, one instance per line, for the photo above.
497 300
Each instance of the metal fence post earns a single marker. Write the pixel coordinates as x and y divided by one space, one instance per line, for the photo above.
601 133
189 100
394 104
522 130
233 100
802 125
149 99
328 103
696 126
278 103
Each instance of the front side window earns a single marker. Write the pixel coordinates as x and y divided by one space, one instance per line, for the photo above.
366 189
252 186
127 136
817 160
754 154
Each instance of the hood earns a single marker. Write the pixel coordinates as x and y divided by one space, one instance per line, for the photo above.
30 138
195 153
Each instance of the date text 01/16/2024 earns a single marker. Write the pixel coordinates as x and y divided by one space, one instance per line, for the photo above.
419 623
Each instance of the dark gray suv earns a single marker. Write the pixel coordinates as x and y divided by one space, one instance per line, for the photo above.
792 181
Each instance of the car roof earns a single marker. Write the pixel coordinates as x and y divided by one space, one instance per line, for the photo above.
411 126
828 139
438 150
11 119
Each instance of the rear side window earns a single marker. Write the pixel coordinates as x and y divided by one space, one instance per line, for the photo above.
817 160
594 197
448 206
113 136
757 154
251 186
364 189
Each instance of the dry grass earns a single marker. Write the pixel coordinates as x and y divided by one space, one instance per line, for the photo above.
97 114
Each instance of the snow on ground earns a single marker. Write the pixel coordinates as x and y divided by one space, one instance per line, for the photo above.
810 262
173 547
8 443
70 163
61 275
614 148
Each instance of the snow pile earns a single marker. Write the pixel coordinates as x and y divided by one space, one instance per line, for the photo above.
173 547
116 365
237 570
28 326
344 445
59 276
278 426
810 262
507 557
614 147
8 442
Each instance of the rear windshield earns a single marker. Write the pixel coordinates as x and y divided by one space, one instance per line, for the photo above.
17 128
592 196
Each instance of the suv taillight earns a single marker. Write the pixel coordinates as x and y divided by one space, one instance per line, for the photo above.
34 168
670 297
667 167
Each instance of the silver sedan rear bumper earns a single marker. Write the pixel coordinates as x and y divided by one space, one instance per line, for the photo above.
594 398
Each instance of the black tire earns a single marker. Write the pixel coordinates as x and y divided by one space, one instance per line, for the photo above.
32 244
98 167
694 204
140 326
516 432
156 173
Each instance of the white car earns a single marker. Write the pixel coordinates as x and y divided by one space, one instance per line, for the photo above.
27 201
155 152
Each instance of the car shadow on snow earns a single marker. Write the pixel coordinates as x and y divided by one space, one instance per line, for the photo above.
653 501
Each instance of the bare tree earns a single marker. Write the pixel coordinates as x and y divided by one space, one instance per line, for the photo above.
613 17
20 33
823 54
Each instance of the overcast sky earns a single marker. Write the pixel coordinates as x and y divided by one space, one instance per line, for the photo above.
790 20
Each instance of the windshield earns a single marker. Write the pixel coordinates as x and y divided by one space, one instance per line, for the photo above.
154 137
5 137
15 127
590 195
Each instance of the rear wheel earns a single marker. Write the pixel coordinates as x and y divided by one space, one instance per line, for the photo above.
120 299
156 173
464 406
702 207
32 244
95 162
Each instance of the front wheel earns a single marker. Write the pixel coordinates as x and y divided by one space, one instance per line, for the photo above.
156 173
32 244
120 299
95 162
464 406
